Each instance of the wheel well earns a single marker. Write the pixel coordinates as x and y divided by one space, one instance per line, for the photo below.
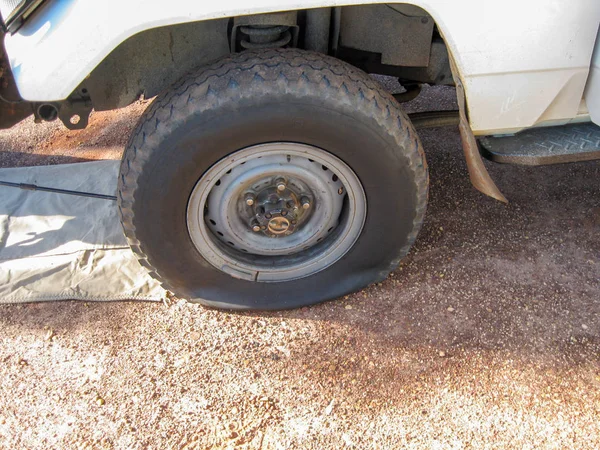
398 40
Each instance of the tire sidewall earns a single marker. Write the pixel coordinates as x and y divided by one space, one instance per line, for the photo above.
200 141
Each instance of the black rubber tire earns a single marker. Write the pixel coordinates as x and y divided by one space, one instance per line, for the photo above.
270 96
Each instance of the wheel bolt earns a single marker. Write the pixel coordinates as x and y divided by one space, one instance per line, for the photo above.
280 184
255 226
305 202
249 199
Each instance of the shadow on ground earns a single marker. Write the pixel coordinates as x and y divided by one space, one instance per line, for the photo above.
487 333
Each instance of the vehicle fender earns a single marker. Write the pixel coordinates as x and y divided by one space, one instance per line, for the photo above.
521 62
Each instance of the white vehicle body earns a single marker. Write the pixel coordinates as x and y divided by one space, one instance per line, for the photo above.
522 63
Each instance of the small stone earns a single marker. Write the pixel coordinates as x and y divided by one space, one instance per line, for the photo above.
235 410
584 326
442 354
450 309
100 401
348 306
329 408
195 335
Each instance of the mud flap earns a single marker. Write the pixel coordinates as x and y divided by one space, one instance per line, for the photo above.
480 178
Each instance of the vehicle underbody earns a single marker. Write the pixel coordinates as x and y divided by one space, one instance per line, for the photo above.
399 40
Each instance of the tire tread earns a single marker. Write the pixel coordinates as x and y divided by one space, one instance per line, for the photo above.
227 80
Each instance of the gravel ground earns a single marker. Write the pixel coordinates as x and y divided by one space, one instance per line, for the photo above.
486 336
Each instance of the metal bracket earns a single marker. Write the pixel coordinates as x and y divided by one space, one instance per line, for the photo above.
75 115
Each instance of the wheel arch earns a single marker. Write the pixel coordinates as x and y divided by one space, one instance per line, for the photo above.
56 49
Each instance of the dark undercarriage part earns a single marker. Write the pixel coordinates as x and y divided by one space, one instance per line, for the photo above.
412 91
73 112
262 31
436 72
434 119
400 41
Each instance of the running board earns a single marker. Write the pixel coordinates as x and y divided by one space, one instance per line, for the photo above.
542 146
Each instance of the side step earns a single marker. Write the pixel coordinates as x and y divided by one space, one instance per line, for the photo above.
548 145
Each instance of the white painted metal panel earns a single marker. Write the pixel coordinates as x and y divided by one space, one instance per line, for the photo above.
592 89
522 62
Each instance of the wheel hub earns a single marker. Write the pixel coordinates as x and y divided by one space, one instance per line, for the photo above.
278 209
279 225
274 212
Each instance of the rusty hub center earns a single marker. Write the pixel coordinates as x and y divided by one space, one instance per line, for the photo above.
278 225
279 208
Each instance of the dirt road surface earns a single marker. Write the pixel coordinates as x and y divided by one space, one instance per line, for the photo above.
486 336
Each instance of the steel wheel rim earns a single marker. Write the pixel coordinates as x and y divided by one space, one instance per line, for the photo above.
228 208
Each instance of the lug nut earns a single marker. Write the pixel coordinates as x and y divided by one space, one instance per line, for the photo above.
268 215
249 199
280 184
256 228
305 202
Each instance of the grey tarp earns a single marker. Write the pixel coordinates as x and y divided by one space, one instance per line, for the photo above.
56 246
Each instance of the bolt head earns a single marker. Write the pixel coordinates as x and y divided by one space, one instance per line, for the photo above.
249 199
280 183
256 228
305 203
